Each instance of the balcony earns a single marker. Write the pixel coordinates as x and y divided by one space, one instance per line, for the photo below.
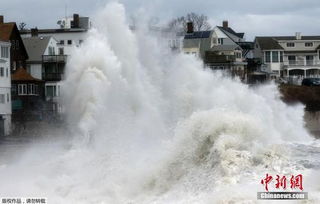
301 63
212 57
54 58
52 76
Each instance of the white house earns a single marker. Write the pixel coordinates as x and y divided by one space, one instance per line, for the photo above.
5 89
37 48
71 33
218 48
289 56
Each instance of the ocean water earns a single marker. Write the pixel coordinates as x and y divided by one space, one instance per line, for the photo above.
149 126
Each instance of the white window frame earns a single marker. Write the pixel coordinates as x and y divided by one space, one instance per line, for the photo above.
24 89
4 52
291 43
308 44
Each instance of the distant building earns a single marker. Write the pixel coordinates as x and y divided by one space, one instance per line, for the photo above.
291 57
18 54
46 64
27 103
5 89
71 33
49 49
218 48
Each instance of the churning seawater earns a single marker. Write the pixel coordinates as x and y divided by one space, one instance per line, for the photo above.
149 126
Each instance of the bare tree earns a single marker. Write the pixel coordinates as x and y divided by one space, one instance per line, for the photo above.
22 25
200 22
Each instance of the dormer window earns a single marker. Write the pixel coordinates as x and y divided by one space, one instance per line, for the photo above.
220 41
308 44
290 44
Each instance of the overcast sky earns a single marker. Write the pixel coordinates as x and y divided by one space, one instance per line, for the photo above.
254 17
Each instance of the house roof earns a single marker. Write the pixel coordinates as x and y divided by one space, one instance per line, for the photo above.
58 30
268 43
198 34
36 47
230 30
22 75
294 37
224 48
6 30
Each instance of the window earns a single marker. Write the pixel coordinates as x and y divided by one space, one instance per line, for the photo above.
292 60
61 42
291 44
8 97
267 57
61 51
22 89
30 86
69 42
1 71
309 60
2 98
51 51
281 56
51 91
220 41
308 44
4 52
275 56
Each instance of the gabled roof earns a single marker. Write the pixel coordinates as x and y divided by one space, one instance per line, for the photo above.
198 34
294 37
22 75
230 30
36 47
6 30
268 43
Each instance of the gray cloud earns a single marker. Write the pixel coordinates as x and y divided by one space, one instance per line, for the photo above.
255 17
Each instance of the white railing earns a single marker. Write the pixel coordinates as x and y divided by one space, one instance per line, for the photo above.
293 63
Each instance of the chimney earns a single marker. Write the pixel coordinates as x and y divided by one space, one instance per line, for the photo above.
298 36
76 21
189 27
225 24
34 32
1 19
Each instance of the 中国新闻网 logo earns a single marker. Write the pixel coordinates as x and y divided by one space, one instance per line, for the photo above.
294 183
